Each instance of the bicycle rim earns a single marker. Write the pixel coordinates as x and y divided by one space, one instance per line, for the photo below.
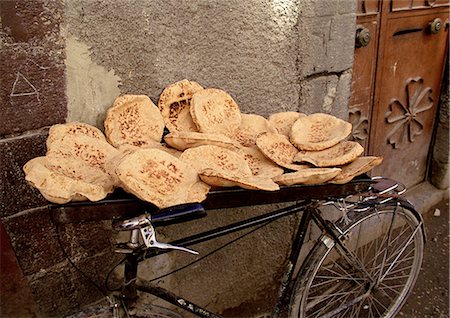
330 287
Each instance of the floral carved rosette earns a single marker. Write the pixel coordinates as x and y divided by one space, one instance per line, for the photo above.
406 118
360 125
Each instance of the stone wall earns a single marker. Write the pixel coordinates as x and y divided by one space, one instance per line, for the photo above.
68 60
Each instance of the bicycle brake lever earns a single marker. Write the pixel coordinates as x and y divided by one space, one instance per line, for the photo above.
149 236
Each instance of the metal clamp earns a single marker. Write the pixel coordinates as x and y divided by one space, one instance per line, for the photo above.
149 236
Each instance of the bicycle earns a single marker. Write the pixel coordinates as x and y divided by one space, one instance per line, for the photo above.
363 265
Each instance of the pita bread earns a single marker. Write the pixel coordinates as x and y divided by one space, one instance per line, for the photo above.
92 151
251 127
260 165
359 166
283 121
340 154
174 103
185 139
318 131
215 111
217 158
61 180
307 176
277 148
160 178
111 164
165 147
133 120
216 178
59 131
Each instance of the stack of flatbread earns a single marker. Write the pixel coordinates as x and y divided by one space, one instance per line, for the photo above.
209 143
321 143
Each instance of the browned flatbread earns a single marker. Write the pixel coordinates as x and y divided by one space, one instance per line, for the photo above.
165 147
260 165
133 120
318 131
277 148
217 158
215 111
283 121
359 166
174 103
222 179
251 127
186 139
61 180
160 178
92 151
337 155
58 131
307 176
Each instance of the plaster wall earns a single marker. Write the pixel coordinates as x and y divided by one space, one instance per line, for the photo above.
270 55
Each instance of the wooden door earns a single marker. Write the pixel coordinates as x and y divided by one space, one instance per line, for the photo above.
409 67
364 67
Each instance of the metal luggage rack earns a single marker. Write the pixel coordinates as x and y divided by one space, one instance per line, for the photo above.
355 288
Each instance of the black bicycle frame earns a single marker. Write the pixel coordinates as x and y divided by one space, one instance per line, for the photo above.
132 261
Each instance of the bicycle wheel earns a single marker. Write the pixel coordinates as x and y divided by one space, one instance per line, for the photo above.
330 286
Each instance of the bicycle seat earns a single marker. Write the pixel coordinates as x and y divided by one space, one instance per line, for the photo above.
169 215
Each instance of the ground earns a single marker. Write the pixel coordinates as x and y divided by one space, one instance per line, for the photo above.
430 296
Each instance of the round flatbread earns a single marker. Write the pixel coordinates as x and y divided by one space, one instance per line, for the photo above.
92 151
277 148
167 148
307 176
251 127
58 131
160 178
260 165
186 139
357 167
318 131
174 104
215 111
217 158
133 120
283 121
61 180
337 155
220 179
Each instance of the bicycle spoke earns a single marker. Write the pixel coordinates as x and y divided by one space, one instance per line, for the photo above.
374 306
401 252
392 288
343 275
332 279
326 294
373 260
398 263
379 302
394 265
396 277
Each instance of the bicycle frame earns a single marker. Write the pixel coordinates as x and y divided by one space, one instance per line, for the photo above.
310 213
309 198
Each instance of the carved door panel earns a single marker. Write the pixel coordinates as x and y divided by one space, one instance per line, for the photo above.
409 72
396 82
361 100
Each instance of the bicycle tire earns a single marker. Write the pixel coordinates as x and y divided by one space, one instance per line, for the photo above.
328 286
